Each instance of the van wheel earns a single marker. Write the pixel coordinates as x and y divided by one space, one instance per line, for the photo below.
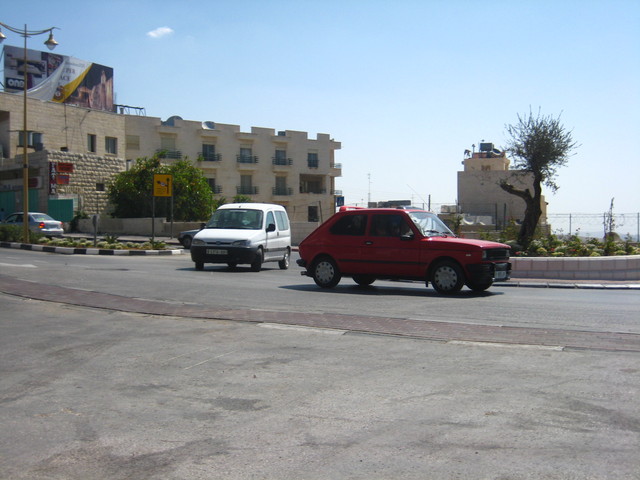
199 265
447 277
364 280
256 265
284 263
325 272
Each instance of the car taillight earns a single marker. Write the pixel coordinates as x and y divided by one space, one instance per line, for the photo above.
41 225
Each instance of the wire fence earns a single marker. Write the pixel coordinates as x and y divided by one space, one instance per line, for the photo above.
594 225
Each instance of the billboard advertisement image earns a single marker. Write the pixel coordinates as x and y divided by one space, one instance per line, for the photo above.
58 78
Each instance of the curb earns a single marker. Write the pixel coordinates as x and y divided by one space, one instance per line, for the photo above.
88 251
584 286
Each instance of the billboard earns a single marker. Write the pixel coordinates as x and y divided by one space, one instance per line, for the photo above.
58 78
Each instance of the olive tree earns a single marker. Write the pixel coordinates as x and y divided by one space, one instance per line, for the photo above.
539 145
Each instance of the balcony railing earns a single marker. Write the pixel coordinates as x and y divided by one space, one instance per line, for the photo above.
165 153
217 189
246 190
282 191
317 191
209 157
336 165
247 158
281 161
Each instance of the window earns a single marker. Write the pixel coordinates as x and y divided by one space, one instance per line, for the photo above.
100 187
111 145
280 158
246 155
212 184
350 225
91 143
282 220
389 226
167 143
209 153
281 186
34 139
312 214
312 160
270 219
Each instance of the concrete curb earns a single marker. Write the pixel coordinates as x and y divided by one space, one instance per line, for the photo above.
87 251
585 286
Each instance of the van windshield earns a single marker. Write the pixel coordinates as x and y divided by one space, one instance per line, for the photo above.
236 218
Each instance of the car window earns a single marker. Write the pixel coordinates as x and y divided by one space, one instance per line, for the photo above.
270 219
281 219
389 226
350 225
14 218
40 217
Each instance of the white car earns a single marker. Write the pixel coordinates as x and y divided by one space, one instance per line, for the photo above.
244 233
38 223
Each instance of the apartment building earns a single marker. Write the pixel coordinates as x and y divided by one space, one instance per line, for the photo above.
480 198
74 152
284 167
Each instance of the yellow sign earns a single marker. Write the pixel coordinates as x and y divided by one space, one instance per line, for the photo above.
162 185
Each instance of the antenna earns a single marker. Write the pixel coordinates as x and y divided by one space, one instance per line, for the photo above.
369 196
423 200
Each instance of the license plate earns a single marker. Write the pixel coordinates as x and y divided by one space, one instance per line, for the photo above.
500 275
216 251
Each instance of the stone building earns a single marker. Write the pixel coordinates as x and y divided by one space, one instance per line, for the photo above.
480 198
74 152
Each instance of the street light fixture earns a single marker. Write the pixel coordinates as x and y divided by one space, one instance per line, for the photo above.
51 44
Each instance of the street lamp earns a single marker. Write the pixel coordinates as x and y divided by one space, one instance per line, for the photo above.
51 44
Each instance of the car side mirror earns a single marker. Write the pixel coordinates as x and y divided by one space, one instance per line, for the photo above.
202 225
407 237
271 227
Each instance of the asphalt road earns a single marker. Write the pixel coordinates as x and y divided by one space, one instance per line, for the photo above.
251 387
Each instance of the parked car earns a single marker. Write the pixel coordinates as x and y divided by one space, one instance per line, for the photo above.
185 238
38 223
385 243
244 233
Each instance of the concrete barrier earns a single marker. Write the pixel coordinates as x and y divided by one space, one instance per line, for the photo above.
625 267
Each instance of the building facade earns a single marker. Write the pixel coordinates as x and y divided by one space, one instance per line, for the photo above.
74 152
480 198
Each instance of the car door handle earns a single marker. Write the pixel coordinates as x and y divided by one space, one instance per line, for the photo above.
368 242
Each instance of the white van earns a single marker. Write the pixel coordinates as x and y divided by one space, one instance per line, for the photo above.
244 233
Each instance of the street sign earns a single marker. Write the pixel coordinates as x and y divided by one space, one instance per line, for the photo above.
162 185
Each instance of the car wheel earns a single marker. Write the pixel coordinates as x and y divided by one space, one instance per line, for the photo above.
364 280
479 287
447 277
186 242
325 272
199 265
256 265
284 263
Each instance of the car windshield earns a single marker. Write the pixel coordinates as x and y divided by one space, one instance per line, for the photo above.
236 218
430 225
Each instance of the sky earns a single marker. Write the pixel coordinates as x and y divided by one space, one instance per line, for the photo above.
406 86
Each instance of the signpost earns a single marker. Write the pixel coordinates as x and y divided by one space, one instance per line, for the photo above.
162 187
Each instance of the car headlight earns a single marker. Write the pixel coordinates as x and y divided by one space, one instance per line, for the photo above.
484 254
241 243
197 241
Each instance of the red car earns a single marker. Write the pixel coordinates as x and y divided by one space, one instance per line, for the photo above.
385 243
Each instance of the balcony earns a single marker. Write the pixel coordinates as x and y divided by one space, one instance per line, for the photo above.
209 157
164 153
246 159
282 191
216 189
246 190
281 161
314 190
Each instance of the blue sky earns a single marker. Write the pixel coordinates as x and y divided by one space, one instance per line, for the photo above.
405 85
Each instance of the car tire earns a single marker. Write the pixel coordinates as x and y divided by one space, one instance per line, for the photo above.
199 266
364 280
325 272
256 265
186 242
284 263
447 277
479 287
